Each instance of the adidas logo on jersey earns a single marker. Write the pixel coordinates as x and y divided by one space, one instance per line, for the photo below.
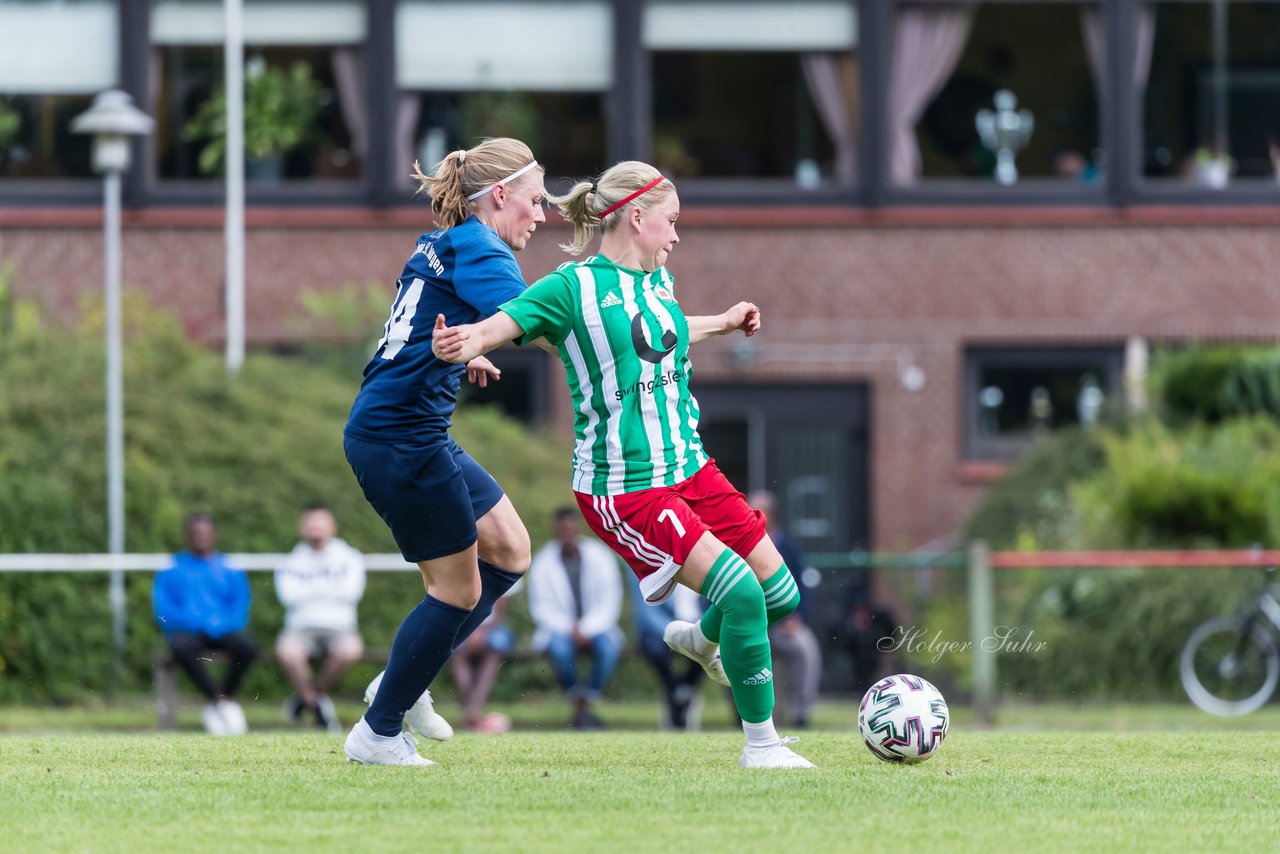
760 678
610 299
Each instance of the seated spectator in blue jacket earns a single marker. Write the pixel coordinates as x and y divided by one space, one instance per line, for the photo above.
202 603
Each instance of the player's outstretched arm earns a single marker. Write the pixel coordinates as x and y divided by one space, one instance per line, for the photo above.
461 344
744 316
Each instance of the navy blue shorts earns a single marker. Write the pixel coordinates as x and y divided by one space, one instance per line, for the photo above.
429 494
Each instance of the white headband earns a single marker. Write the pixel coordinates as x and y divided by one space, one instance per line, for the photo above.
507 180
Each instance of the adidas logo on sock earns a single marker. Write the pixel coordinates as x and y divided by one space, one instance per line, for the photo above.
611 299
760 678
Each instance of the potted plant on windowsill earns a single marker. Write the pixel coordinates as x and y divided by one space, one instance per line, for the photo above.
280 110
10 124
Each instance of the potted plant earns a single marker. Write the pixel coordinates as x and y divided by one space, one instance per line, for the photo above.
280 109
10 123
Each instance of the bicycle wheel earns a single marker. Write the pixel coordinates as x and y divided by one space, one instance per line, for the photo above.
1227 670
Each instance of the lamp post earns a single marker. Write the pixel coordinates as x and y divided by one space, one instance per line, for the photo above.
233 57
112 120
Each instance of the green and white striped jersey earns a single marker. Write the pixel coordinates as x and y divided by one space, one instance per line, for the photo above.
624 342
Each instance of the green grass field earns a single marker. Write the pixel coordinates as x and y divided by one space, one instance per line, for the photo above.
1173 780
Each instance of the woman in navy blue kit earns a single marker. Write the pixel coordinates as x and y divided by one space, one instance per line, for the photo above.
447 514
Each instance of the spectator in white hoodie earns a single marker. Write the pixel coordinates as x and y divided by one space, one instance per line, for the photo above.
320 583
575 599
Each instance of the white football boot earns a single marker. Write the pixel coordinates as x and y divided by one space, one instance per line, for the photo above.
421 718
774 756
679 635
366 747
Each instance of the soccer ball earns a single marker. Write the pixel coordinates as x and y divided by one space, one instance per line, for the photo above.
903 718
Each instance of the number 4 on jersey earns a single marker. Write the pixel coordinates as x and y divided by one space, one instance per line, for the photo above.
399 325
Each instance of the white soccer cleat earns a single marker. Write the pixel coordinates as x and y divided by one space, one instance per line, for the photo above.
366 747
774 756
679 635
421 718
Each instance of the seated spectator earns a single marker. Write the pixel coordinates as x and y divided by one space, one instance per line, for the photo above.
679 675
202 603
319 584
869 632
475 664
575 599
797 658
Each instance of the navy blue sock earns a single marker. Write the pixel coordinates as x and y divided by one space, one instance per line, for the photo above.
494 582
422 646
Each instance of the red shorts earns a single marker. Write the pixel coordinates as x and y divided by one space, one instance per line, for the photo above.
655 529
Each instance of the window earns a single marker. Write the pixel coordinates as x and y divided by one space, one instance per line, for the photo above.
1014 395
999 93
539 73
1211 103
304 90
54 56
754 90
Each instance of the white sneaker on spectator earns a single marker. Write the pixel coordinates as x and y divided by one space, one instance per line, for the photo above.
774 756
421 717
233 716
366 747
211 717
680 636
326 714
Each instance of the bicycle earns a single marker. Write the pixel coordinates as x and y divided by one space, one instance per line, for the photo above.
1230 665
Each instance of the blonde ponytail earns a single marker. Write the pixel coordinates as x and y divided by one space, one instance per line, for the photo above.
463 173
586 200
578 207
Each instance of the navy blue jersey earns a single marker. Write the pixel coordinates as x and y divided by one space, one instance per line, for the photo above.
464 273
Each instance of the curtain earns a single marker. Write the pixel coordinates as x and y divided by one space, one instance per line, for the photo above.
832 82
408 110
155 74
1095 50
349 77
927 42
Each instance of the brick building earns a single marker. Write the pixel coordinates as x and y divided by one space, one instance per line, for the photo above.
850 299
924 310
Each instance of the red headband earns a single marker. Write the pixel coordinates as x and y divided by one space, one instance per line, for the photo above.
637 194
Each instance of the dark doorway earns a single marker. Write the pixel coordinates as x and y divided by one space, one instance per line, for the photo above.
807 444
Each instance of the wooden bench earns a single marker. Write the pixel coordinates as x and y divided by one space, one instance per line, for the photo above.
165 671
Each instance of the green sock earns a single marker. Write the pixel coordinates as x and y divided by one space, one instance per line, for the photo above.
781 598
744 635
781 595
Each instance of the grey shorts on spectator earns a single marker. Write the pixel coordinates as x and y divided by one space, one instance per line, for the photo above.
318 642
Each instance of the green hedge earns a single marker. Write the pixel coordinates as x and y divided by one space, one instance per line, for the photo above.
1118 633
1031 504
250 450
1217 383
1204 486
